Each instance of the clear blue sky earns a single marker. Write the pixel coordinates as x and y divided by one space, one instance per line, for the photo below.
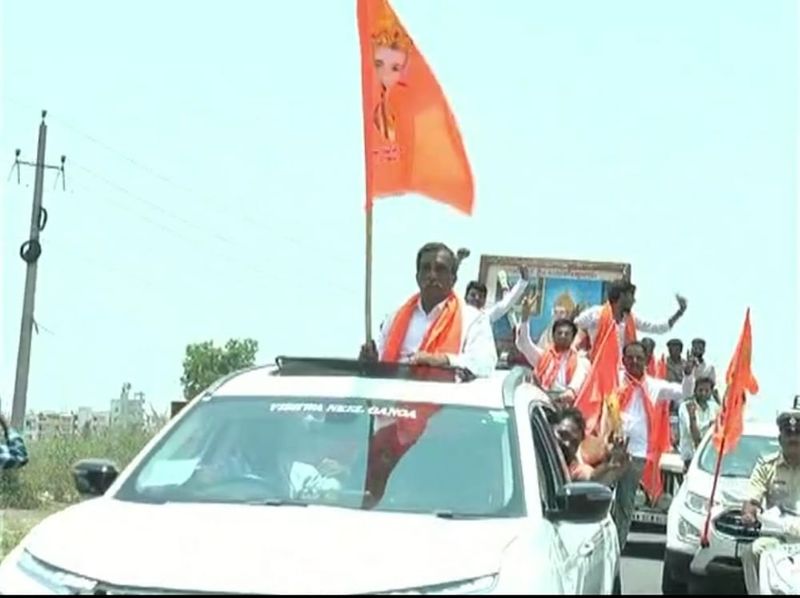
215 172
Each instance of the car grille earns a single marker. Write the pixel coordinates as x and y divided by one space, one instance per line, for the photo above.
730 524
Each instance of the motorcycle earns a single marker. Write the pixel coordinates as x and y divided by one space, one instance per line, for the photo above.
779 568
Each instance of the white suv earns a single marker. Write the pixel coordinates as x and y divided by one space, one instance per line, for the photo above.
322 477
686 568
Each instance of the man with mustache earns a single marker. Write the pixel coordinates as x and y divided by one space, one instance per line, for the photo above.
775 482
645 426
559 368
436 327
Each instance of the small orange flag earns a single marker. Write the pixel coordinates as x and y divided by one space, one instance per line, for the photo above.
661 368
602 381
411 141
740 380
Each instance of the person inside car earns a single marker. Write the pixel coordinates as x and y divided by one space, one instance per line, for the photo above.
775 482
570 429
436 327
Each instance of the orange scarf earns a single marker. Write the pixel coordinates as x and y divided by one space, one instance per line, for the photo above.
391 441
443 336
607 325
550 364
658 433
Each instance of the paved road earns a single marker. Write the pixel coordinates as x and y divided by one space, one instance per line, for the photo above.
641 564
641 568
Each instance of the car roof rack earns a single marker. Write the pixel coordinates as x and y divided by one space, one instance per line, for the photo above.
325 366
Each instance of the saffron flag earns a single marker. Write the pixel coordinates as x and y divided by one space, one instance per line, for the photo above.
739 381
661 368
411 141
597 399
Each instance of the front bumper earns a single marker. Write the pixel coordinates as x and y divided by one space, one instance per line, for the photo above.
727 538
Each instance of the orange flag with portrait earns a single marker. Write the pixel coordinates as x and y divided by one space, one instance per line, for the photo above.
411 141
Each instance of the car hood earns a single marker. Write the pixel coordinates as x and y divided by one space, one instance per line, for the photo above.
730 491
267 549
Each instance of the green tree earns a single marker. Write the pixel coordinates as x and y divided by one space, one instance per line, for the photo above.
204 363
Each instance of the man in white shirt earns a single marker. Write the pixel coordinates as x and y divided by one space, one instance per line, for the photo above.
621 298
559 368
696 416
408 335
704 369
476 295
636 425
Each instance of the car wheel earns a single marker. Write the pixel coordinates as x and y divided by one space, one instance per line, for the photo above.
669 585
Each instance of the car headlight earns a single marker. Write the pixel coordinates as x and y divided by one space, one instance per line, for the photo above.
56 580
477 585
696 503
687 532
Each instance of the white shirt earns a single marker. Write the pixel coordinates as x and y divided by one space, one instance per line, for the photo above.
478 351
510 298
634 418
534 354
705 419
589 319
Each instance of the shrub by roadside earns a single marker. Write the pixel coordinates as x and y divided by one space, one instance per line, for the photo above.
47 479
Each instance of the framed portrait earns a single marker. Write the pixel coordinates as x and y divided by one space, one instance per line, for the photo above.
563 287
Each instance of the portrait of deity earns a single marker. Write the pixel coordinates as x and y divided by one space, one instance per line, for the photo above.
391 49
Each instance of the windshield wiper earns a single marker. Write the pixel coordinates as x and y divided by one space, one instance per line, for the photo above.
444 514
277 502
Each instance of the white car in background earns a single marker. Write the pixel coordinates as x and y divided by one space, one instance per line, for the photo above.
262 485
687 569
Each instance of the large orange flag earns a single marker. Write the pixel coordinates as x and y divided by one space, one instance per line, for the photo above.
411 141
739 380
597 397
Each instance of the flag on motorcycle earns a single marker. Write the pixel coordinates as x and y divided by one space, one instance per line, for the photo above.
412 143
728 426
739 381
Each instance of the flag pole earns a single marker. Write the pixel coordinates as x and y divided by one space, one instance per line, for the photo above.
368 276
364 19
704 538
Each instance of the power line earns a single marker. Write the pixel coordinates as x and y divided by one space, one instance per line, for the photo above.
248 221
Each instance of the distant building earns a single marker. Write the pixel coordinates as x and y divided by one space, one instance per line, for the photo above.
48 424
126 411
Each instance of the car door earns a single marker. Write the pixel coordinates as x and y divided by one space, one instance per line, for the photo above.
584 545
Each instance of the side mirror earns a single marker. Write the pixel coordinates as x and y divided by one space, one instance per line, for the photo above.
93 477
583 502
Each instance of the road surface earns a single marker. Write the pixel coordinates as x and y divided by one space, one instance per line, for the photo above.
641 567
641 564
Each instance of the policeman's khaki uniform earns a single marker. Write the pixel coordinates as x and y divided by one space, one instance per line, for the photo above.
778 484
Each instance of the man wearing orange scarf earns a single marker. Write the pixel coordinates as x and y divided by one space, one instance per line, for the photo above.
646 428
617 312
435 327
559 367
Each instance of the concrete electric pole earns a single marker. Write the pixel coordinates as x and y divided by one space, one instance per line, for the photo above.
30 252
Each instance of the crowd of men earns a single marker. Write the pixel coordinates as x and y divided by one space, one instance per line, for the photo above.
436 327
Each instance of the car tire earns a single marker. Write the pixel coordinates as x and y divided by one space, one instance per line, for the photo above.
670 586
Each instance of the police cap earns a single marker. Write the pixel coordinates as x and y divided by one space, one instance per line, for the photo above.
789 421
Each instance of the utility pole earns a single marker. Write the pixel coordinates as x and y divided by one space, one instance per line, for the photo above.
30 252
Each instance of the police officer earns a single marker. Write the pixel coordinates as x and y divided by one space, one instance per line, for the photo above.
775 482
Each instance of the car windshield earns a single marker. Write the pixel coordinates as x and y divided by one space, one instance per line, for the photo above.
741 462
352 453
